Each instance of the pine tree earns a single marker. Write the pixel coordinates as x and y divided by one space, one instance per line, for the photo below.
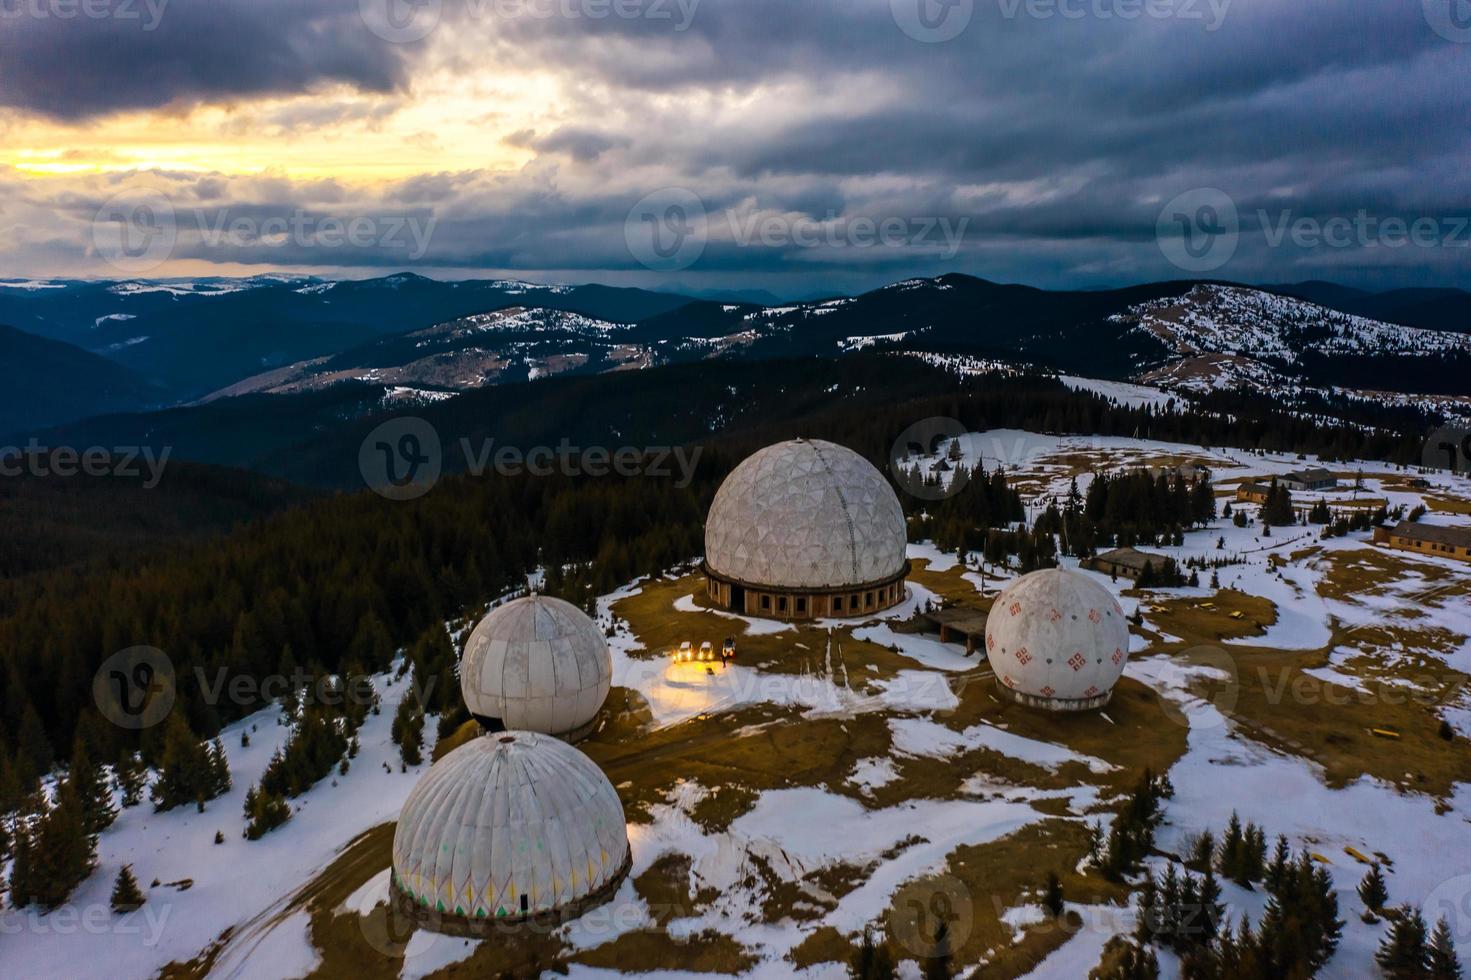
1202 853
185 773
22 881
1444 964
1281 862
264 812
1150 913
1373 891
1254 854
1095 842
90 783
64 852
408 731
132 775
126 895
860 963
1232 845
937 963
1123 960
1212 910
219 769
1052 899
1403 954
883 964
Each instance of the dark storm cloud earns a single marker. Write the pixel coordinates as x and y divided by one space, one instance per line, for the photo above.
1057 139
71 59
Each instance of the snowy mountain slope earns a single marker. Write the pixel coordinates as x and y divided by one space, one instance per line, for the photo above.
515 344
1224 337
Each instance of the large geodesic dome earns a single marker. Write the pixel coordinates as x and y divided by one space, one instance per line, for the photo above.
1057 640
509 827
805 528
537 664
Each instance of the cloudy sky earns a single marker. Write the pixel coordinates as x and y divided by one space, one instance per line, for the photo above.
799 146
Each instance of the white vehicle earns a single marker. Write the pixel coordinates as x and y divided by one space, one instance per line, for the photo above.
707 651
686 652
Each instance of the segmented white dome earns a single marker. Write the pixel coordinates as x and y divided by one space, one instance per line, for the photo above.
805 514
1057 639
510 826
537 664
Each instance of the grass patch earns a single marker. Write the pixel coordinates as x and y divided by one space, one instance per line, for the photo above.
1211 620
456 738
665 888
1003 874
823 945
1280 705
647 951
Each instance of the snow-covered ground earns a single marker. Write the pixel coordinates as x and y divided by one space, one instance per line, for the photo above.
204 887
797 831
1135 396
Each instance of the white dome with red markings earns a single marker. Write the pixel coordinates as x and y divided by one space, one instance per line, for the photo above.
1058 640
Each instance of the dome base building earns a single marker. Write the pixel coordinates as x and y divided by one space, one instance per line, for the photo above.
751 599
1055 704
805 529
407 908
537 664
511 828
1057 640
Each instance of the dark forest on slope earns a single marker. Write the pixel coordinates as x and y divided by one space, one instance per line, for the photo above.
347 579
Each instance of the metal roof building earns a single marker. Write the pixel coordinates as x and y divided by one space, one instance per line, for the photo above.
537 664
508 828
804 529
1057 640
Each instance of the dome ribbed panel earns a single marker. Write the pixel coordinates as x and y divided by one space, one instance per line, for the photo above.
806 514
493 821
539 664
